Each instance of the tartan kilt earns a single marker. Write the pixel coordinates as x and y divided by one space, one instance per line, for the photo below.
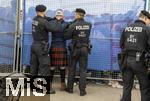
58 57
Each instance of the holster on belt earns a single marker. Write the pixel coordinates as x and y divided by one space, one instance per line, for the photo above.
147 60
45 46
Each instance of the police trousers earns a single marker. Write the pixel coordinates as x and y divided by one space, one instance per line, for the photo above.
81 56
39 60
135 68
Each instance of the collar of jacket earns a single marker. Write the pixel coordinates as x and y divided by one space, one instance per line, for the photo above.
62 20
40 16
141 21
79 19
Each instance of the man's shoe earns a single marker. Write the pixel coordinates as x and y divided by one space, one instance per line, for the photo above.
83 93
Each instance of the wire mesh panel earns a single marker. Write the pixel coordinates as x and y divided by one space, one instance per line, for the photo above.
108 19
7 34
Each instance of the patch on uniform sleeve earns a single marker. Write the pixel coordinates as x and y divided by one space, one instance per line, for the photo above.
35 23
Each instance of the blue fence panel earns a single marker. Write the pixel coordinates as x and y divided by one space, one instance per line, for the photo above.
100 58
108 18
7 31
7 15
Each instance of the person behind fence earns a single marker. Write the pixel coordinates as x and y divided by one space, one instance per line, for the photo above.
39 59
58 51
134 43
79 32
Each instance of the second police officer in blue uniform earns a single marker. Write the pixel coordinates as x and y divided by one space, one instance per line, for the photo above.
79 32
134 43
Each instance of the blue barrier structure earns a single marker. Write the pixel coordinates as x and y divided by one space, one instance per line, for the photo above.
7 34
107 17
6 49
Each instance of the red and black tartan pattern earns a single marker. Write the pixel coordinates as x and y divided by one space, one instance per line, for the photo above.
58 57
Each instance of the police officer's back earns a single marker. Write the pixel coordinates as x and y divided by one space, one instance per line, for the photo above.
134 42
39 49
79 32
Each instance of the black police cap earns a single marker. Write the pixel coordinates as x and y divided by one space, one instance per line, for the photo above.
40 8
80 10
145 13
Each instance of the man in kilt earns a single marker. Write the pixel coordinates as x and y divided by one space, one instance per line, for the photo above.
58 51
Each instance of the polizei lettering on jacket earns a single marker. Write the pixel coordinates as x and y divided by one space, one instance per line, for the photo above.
133 29
84 27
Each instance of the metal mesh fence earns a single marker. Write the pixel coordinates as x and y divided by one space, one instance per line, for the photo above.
7 35
6 52
108 19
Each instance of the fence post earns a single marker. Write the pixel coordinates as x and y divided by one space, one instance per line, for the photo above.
147 3
17 39
21 31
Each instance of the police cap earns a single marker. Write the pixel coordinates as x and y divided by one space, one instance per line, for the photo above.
40 8
80 10
146 13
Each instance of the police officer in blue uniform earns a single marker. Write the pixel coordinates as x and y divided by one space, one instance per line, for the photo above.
79 32
39 49
134 43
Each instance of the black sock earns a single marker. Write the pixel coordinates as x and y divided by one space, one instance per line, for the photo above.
51 75
62 75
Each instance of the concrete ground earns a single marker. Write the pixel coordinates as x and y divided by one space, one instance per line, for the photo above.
35 98
94 93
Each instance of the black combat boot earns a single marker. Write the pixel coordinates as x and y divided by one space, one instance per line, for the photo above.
83 93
